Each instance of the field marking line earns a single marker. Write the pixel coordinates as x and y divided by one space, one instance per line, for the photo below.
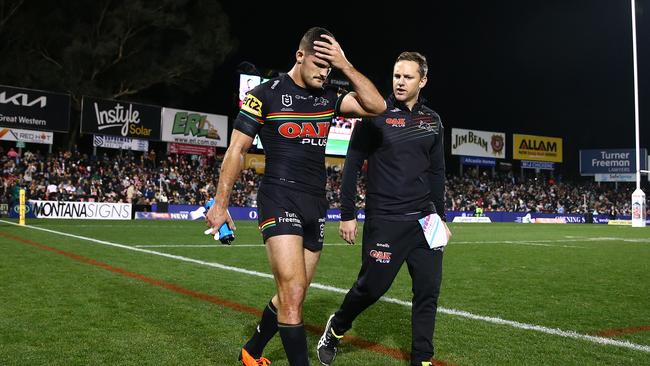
460 313
214 245
358 342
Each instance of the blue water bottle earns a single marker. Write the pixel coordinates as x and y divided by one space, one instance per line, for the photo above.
226 236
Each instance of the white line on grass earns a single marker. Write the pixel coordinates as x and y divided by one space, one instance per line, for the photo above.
215 245
460 313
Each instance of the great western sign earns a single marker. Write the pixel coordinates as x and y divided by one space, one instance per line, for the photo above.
610 161
119 118
34 109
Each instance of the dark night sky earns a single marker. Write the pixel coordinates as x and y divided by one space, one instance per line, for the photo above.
554 68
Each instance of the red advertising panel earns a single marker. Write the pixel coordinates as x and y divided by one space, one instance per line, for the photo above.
176 148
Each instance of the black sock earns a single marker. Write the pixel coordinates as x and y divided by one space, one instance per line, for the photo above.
266 329
294 340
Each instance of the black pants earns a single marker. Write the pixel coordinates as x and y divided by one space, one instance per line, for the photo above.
386 245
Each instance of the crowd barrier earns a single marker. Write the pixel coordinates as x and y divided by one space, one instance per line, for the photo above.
122 211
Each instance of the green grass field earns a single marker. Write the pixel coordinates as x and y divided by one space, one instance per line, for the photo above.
512 295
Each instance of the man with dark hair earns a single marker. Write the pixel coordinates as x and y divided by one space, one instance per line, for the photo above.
292 115
405 192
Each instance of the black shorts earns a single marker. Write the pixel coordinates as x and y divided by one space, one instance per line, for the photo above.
283 211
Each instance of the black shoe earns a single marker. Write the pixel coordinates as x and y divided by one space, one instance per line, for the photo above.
328 344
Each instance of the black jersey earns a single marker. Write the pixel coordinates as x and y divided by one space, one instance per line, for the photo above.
406 164
292 123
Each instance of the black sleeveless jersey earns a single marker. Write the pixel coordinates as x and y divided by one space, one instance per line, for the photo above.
293 124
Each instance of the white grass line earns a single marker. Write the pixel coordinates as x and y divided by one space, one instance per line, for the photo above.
460 313
541 243
215 245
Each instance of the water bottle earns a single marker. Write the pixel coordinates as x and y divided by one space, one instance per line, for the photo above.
225 235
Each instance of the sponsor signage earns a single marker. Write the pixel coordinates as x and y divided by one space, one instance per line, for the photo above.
472 220
537 148
478 143
122 143
544 165
119 118
80 210
615 177
26 136
610 161
34 109
176 148
4 209
471 160
256 162
194 128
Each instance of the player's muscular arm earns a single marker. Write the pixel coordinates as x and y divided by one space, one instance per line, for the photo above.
230 169
365 101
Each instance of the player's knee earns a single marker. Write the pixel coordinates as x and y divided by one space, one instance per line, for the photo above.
291 297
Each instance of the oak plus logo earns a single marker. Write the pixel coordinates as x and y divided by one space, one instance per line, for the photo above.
22 99
309 134
125 118
381 256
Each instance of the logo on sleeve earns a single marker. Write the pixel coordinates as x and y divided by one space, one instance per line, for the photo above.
252 105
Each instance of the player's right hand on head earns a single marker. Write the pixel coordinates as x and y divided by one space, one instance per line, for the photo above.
348 231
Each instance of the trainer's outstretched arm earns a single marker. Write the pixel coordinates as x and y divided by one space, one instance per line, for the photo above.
230 169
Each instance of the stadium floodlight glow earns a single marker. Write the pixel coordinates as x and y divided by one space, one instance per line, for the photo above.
638 197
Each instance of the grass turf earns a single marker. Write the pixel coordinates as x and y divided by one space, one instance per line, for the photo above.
62 311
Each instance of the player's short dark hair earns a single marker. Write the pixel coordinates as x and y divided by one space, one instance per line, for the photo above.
311 35
415 57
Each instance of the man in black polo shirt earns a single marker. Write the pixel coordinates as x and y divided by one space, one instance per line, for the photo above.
292 114
405 189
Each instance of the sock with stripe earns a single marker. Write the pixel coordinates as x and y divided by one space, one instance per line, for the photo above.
266 329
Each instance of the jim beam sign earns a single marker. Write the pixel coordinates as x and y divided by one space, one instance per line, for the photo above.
478 143
119 118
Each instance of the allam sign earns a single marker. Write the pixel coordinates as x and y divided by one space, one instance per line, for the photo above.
120 118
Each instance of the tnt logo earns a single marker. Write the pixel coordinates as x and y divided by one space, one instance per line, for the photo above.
396 122
381 256
308 132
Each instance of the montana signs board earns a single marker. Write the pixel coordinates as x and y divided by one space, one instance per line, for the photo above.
34 109
120 118
194 128
485 144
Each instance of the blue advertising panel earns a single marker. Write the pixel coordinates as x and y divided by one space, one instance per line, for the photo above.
471 160
608 161
537 165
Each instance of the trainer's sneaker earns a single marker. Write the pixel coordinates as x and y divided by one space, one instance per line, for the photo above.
328 344
248 360
427 363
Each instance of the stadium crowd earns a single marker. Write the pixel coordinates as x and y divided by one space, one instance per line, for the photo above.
146 178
